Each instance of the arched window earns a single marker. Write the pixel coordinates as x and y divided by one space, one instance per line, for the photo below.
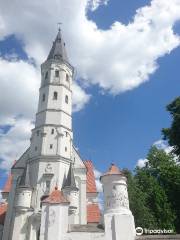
52 131
43 97
55 96
66 99
57 73
67 77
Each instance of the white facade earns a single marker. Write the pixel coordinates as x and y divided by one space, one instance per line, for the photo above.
52 161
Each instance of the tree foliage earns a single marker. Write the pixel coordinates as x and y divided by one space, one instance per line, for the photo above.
172 134
154 192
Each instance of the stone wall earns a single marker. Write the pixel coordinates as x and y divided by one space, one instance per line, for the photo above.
159 237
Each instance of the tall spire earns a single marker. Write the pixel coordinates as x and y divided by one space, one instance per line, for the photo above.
58 50
70 180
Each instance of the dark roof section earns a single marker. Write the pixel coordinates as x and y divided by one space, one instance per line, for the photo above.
70 182
58 50
24 181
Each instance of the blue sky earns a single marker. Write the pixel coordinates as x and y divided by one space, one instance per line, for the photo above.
115 128
121 129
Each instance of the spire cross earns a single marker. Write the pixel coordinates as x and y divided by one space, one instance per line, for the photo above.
59 26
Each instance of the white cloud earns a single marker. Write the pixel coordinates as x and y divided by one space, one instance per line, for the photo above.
97 175
141 162
80 98
94 4
14 142
118 59
19 90
161 144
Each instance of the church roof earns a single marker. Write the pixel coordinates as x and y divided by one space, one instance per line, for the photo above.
56 197
91 183
58 50
113 170
70 180
3 210
93 213
8 184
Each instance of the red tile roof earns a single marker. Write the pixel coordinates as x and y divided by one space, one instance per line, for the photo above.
91 184
3 210
113 170
8 184
93 213
55 197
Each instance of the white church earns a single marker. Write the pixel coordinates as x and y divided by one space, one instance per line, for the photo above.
51 193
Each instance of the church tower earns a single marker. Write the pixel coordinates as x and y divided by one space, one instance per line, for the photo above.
51 141
51 166
53 128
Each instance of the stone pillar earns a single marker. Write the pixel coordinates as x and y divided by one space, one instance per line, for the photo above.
118 219
54 218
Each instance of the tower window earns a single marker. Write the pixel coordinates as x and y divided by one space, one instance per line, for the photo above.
38 132
51 146
48 183
57 73
67 77
52 131
43 97
65 149
46 75
55 96
66 98
36 148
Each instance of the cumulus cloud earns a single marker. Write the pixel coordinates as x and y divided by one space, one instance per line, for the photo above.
94 4
80 98
162 144
118 59
14 142
19 90
97 175
141 162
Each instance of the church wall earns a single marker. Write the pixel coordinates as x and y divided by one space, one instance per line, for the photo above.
54 221
8 225
51 172
81 184
54 117
60 103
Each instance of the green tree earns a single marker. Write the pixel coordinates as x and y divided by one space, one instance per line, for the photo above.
154 191
156 198
167 172
172 134
137 200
